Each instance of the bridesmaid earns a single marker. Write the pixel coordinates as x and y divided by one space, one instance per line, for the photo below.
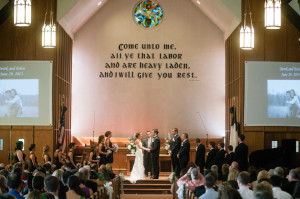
58 159
93 155
19 155
46 156
108 144
32 157
102 150
71 155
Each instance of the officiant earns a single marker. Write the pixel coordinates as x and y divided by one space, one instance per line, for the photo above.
147 155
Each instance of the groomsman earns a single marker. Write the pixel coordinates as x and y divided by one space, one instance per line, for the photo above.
174 148
241 153
211 155
147 155
155 148
200 155
220 157
230 157
184 151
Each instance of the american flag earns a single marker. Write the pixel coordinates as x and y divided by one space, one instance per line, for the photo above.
61 130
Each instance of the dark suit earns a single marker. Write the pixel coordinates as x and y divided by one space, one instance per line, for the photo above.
210 158
147 157
200 157
155 148
220 159
230 158
241 156
174 148
184 154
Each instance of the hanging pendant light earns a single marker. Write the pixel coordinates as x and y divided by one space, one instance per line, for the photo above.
247 32
273 14
49 31
22 12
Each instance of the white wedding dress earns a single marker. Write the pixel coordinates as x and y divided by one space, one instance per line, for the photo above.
138 169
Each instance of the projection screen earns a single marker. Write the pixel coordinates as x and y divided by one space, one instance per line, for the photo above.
272 94
26 93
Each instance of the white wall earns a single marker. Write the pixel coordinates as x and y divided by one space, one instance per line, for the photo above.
125 106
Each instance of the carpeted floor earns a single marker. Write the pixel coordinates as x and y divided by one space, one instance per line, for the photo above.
147 196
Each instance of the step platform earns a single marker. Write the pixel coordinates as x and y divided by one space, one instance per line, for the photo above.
155 186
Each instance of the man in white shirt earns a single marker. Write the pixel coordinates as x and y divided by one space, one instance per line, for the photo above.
276 182
210 193
243 180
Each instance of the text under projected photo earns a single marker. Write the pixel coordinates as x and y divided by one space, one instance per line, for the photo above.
26 93
272 94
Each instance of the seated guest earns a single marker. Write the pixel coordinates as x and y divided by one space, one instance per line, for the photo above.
200 190
234 165
293 178
91 184
15 185
104 172
222 188
75 192
3 185
253 175
196 179
263 175
262 195
9 168
214 169
264 186
225 172
52 186
4 172
110 172
233 174
280 172
226 191
210 193
276 182
62 189
233 184
87 191
34 195
94 171
48 168
243 180
38 183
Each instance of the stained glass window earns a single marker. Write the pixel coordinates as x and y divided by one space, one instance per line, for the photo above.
148 14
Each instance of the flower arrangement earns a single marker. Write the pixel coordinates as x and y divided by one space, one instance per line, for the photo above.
131 145
167 142
116 147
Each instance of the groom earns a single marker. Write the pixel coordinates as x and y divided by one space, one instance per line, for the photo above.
155 148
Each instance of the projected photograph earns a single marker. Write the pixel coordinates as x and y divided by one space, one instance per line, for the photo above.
283 98
19 98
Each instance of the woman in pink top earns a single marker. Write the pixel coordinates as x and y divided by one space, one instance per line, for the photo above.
192 179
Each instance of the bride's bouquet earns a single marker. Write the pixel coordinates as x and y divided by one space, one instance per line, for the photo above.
131 146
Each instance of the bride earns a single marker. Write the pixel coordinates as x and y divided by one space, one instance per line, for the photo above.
138 170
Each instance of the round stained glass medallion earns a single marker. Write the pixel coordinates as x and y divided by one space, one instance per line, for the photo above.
148 14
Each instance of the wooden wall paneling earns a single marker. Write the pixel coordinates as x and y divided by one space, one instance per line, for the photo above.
5 135
292 43
43 135
255 140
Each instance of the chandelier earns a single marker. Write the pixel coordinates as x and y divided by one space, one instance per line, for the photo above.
273 14
49 31
247 32
22 12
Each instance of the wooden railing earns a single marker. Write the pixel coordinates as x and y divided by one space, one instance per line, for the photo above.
101 193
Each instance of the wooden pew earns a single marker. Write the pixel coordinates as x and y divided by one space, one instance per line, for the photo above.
101 193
